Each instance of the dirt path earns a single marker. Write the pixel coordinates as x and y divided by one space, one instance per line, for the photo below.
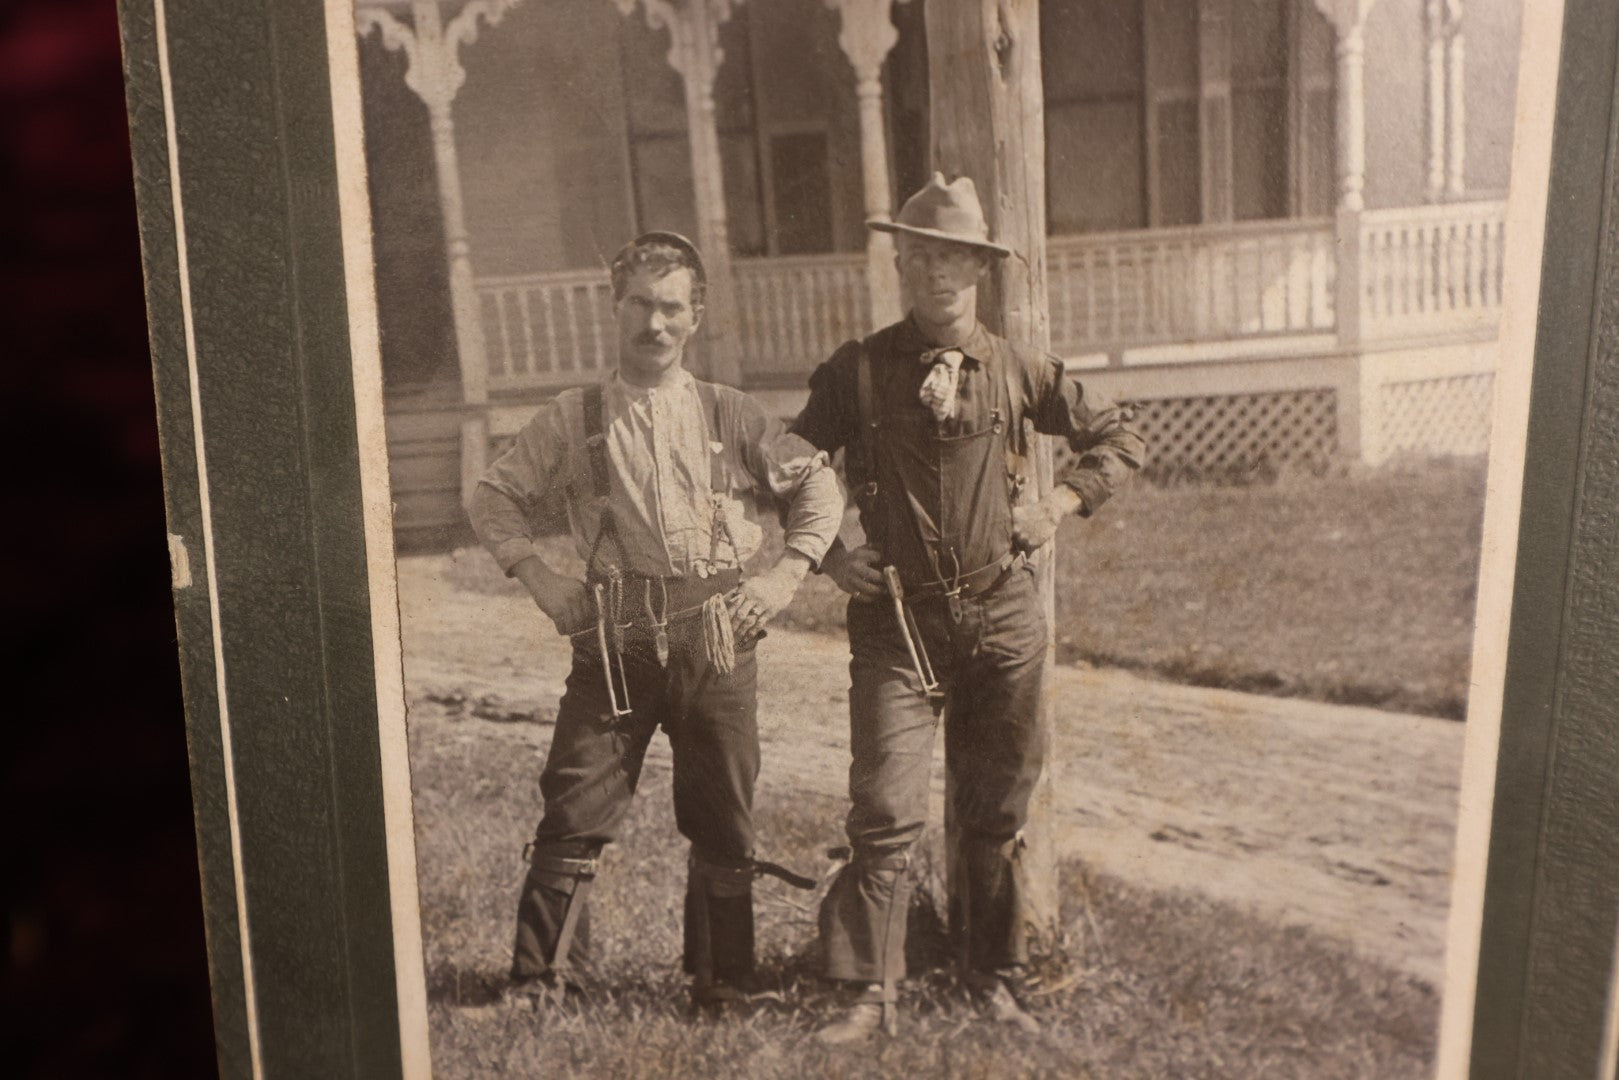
1335 818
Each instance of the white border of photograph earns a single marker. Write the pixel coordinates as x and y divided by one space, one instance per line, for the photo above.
1526 210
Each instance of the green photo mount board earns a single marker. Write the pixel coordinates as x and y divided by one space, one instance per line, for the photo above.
250 352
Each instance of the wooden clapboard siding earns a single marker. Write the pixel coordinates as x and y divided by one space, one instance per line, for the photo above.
424 459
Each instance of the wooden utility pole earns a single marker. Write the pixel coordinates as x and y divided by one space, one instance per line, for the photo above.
988 122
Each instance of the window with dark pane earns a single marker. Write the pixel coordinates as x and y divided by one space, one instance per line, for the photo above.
1094 97
660 150
1259 121
802 193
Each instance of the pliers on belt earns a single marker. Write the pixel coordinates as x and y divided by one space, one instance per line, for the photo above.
913 638
618 686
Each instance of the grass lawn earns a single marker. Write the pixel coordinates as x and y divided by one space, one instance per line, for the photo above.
1354 587
1158 984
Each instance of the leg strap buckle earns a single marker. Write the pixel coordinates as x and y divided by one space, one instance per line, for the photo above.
561 864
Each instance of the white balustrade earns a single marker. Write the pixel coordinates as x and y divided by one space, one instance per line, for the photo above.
1425 270
1196 283
797 309
556 329
547 330
1432 269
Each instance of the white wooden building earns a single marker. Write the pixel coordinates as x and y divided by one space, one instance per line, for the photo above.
1276 224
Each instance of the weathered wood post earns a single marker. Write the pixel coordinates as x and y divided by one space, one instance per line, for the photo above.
989 123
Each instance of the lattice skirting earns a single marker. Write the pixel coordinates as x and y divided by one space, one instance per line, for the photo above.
1224 436
1448 415
1221 435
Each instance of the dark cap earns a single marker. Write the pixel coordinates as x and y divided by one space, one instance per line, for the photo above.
674 240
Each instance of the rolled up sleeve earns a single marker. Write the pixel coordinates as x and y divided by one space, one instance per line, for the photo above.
501 506
1107 449
787 467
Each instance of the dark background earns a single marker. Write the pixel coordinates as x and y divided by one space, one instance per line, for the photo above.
104 971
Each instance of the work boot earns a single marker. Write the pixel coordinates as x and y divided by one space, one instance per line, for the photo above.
853 1026
543 993
993 994
719 998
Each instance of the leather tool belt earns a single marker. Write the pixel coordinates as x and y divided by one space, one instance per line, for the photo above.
969 585
648 601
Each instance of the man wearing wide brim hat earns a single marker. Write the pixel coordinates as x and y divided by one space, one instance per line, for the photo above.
945 211
944 618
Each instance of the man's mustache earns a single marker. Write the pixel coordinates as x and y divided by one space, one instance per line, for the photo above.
651 339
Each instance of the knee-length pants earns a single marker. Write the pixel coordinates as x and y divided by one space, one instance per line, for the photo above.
991 664
590 776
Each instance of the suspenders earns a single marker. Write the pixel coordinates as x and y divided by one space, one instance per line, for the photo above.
608 594
1007 426
596 439
1017 463
870 422
575 876
866 410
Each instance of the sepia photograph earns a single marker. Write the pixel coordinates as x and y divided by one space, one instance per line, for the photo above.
935 537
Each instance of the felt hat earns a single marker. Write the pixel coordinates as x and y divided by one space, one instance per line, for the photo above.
945 210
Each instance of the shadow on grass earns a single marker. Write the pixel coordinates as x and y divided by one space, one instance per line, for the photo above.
1157 985
1150 984
928 952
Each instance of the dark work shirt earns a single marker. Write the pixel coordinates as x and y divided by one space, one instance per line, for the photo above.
950 503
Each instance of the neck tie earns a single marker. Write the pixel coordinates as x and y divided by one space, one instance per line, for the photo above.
939 388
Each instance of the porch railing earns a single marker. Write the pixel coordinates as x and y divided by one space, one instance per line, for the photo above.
1431 268
546 330
796 309
1424 270
557 329
1196 283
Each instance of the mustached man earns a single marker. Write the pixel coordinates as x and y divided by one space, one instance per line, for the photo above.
654 467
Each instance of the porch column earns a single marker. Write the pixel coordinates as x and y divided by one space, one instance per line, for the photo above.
867 36
694 51
1436 87
432 48
1355 419
1351 56
1456 101
1349 18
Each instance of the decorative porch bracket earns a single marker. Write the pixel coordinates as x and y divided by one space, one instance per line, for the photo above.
867 36
694 51
432 50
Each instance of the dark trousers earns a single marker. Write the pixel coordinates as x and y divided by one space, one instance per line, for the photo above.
992 665
591 774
